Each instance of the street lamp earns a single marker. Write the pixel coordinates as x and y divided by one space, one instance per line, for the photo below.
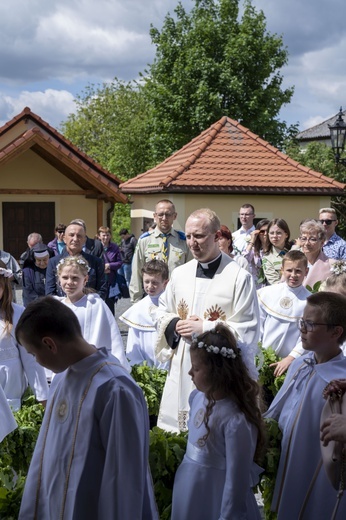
338 136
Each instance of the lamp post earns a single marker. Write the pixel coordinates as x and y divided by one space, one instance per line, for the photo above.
338 136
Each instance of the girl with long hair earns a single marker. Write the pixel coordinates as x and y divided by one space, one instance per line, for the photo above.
226 434
277 245
17 367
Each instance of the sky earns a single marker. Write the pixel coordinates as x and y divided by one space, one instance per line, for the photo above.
50 51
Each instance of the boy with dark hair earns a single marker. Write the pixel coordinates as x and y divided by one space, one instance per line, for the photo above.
302 488
142 334
91 456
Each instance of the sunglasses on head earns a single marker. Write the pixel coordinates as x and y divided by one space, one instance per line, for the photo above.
327 221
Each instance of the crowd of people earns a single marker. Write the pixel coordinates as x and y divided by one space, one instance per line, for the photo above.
202 301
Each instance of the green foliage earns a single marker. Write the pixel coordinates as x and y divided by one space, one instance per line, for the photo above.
266 372
320 158
166 453
111 125
315 288
15 455
270 465
210 63
151 380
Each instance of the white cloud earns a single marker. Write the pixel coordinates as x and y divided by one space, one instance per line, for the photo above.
53 106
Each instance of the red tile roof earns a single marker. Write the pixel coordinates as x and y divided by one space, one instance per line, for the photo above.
49 144
229 158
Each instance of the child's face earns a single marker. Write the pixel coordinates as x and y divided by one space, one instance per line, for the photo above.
199 372
277 236
72 281
320 338
42 354
294 272
153 284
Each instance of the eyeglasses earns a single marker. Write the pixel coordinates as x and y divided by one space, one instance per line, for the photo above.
308 326
164 215
327 221
60 231
263 231
309 239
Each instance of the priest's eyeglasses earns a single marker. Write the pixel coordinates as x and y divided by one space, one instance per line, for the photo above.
308 326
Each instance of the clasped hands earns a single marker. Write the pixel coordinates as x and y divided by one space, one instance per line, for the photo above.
193 324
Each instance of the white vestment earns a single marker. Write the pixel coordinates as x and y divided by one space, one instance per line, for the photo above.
7 421
297 407
229 297
280 307
98 325
141 337
91 457
17 367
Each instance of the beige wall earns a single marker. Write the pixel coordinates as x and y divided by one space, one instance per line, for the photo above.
293 209
29 171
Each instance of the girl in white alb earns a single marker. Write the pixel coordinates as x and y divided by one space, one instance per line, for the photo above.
96 320
226 434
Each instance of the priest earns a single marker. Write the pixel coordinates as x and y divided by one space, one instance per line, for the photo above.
210 288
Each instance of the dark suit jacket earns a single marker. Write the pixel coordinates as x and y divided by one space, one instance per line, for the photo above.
97 279
93 247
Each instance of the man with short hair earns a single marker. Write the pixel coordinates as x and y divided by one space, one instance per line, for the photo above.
210 288
92 246
75 238
163 243
334 246
241 236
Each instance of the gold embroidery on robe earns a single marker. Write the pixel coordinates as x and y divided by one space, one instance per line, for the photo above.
214 313
182 309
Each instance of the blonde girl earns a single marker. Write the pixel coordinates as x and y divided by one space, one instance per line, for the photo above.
96 320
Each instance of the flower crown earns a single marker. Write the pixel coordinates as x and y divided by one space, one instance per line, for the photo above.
224 351
338 267
79 261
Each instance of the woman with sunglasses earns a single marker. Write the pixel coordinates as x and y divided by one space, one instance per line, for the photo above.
254 252
277 245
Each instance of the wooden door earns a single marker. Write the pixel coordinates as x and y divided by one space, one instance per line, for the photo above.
22 218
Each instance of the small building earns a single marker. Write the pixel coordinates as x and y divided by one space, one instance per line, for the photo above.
317 134
227 166
45 180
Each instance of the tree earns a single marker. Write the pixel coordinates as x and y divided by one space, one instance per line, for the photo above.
209 64
111 125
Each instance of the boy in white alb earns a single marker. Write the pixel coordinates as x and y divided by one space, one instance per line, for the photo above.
142 333
282 304
91 456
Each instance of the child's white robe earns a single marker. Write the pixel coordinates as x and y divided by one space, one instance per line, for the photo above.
280 307
142 335
298 407
91 457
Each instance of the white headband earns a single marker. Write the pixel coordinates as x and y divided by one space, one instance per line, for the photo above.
41 254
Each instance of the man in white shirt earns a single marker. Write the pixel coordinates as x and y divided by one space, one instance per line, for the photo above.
246 216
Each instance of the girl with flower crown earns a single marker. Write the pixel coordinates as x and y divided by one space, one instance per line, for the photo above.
226 434
17 367
97 322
